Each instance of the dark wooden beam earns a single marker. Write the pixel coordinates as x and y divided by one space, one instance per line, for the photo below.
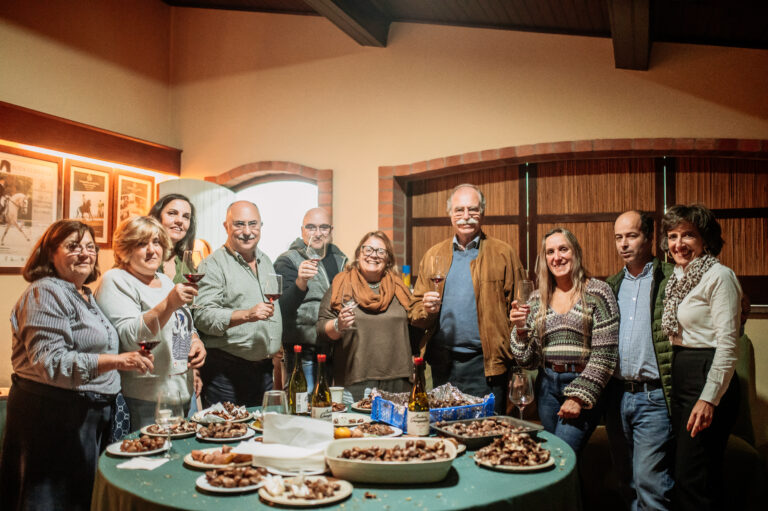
630 31
361 21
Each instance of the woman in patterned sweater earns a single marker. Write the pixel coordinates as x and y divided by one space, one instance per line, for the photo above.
569 329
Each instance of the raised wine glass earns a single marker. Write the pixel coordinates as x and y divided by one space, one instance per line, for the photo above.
348 302
190 263
523 292
316 248
169 411
521 390
437 275
273 287
148 337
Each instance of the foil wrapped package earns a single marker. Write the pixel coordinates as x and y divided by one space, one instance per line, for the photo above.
447 403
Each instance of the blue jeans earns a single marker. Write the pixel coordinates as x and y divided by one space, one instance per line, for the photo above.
574 432
230 378
640 434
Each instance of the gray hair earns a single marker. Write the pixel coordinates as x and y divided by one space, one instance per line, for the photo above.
465 185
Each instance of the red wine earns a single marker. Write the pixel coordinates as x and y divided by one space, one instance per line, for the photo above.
148 345
272 296
194 278
437 280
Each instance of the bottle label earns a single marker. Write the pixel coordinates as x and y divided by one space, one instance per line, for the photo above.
302 402
322 413
418 423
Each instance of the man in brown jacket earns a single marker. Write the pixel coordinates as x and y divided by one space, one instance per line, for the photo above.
467 316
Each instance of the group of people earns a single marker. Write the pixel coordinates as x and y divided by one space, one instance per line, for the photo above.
653 349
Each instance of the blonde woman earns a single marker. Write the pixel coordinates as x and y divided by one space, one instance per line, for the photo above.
570 330
136 287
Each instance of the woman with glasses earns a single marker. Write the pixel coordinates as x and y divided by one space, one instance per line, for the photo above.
364 314
133 295
65 376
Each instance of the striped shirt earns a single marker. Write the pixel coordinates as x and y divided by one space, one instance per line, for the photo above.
58 337
564 342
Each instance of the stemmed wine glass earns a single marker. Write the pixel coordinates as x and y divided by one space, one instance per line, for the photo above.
316 248
168 412
521 390
148 337
523 292
190 263
438 273
348 302
273 287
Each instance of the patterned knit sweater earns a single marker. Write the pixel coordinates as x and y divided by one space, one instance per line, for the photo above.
563 341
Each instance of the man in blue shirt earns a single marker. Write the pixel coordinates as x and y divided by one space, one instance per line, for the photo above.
637 414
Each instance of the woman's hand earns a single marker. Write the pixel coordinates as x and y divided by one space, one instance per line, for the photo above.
518 313
346 318
701 417
431 301
197 354
571 408
181 294
138 361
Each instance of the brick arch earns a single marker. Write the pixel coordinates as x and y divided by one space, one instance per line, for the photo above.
392 179
264 171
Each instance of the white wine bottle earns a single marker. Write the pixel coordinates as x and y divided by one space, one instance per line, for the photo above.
418 405
297 385
322 407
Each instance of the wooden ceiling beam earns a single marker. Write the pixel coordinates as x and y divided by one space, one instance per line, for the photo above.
630 31
361 21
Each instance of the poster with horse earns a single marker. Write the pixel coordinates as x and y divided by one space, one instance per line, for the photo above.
88 193
30 201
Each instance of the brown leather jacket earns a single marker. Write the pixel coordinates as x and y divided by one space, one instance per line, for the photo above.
494 274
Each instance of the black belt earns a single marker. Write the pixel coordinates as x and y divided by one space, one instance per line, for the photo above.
639 386
566 368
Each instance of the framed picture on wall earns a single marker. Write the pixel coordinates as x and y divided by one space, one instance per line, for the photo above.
30 201
88 198
133 195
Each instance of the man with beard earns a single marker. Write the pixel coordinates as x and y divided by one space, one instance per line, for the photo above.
467 317
305 281
241 329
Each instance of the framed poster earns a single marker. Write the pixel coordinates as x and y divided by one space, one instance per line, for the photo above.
133 195
88 198
30 201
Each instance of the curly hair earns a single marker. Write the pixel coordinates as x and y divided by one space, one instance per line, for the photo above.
133 233
702 218
390 262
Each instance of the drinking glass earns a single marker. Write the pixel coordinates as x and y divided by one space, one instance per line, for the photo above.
148 337
316 248
348 302
437 275
275 401
273 287
190 263
521 390
169 411
523 292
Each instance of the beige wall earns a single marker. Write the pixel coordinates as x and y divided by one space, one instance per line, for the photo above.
248 87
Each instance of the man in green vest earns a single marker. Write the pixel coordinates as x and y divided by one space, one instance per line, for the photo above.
637 412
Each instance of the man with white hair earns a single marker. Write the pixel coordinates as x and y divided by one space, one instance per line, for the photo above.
467 317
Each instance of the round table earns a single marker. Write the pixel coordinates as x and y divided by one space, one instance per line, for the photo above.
467 486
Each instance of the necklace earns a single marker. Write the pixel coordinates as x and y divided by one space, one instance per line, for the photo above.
374 286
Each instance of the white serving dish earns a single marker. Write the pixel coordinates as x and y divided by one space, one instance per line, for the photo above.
387 472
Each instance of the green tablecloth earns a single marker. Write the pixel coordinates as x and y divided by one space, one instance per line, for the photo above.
467 486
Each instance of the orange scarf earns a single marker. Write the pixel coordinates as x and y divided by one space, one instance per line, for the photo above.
352 282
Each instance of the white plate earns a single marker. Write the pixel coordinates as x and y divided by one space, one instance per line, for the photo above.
202 483
200 419
145 431
207 466
344 419
461 449
395 432
341 494
517 468
285 473
248 434
252 425
356 408
114 449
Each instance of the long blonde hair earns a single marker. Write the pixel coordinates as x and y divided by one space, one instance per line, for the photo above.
546 281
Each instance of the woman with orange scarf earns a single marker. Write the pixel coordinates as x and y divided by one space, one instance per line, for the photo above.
364 315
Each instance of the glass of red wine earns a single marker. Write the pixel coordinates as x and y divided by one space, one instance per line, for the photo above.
273 287
148 337
190 265
316 248
437 276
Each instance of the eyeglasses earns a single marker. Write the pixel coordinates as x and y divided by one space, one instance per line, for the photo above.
74 248
255 225
368 250
473 211
323 228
